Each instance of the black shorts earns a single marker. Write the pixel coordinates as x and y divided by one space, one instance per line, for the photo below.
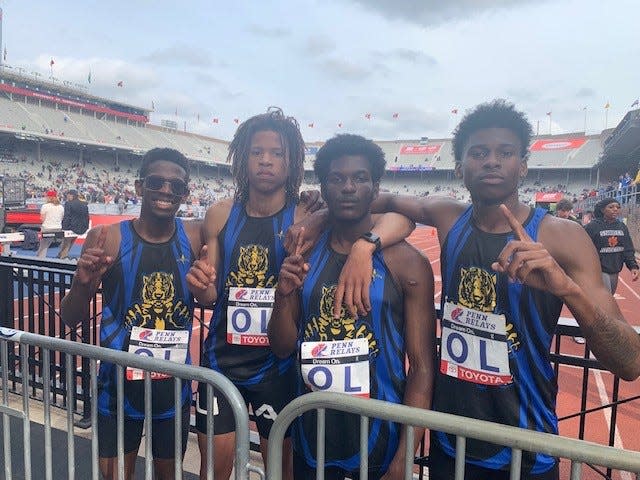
267 399
442 467
162 435
302 471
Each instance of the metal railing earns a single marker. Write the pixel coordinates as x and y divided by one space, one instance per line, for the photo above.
518 439
22 369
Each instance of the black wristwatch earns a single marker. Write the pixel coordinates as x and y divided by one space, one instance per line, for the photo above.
372 238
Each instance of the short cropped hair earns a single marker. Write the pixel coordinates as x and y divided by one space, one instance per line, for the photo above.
166 154
565 205
349 144
495 114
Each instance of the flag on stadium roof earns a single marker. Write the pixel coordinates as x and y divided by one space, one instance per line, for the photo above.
396 115
607 105
454 111
52 62
5 54
89 77
311 125
236 120
367 116
120 83
634 104
549 113
340 125
153 105
216 120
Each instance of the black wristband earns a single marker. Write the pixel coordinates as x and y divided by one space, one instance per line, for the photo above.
372 238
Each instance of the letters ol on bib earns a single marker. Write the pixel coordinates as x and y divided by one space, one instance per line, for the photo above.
340 366
165 344
248 315
474 346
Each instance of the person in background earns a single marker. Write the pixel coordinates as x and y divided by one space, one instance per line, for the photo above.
51 214
612 241
76 219
563 210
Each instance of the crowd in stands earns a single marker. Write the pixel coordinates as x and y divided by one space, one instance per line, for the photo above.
99 182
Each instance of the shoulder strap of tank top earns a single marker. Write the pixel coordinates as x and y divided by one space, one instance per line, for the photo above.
456 239
235 222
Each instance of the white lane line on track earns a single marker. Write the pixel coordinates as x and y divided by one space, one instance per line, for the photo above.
604 400
629 288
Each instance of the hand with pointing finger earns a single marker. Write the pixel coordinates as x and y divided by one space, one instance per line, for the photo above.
93 263
201 278
530 262
293 270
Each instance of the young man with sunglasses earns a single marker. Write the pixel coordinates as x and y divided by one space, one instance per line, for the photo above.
142 264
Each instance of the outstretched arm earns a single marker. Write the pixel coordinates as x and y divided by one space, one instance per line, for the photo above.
565 264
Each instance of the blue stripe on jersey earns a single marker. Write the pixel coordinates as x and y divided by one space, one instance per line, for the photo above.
113 332
460 232
532 406
233 228
385 369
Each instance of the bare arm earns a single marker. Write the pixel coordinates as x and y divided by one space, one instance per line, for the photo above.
201 278
432 210
565 264
416 278
92 264
391 228
283 325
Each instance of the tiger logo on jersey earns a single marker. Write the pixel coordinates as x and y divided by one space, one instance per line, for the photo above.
253 265
158 308
477 289
612 241
325 328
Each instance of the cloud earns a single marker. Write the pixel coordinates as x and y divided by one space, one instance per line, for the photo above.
179 54
318 45
344 69
406 55
435 12
269 32
585 92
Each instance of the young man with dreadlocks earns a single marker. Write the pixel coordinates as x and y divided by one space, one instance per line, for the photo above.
238 269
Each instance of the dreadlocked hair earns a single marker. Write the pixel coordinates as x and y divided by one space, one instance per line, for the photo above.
292 143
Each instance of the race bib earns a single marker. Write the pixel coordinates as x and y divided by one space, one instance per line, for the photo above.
340 366
248 315
166 344
474 346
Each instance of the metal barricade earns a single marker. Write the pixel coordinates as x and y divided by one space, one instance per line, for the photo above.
519 440
22 370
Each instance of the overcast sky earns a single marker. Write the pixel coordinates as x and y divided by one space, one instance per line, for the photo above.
330 62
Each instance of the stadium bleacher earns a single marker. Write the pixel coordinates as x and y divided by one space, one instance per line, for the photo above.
67 147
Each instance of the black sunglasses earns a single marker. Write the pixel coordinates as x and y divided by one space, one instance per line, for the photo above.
156 183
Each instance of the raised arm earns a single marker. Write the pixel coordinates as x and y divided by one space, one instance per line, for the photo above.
283 325
564 262
92 264
201 277
416 279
